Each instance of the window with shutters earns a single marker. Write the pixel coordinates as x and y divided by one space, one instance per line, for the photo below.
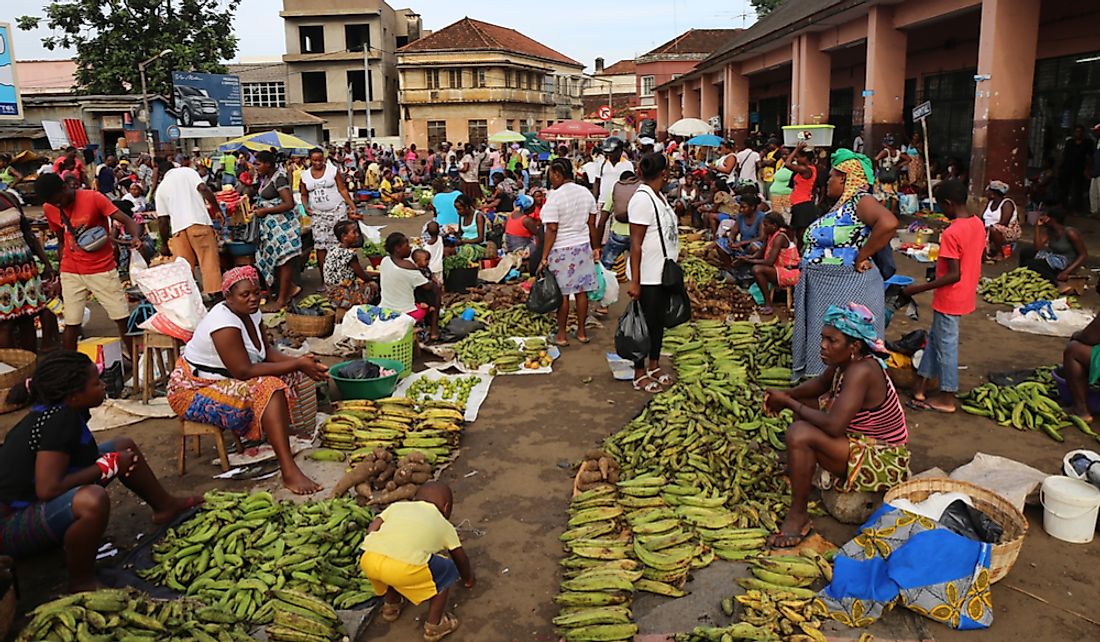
437 133
455 78
478 132
431 78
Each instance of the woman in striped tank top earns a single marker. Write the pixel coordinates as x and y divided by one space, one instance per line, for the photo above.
848 420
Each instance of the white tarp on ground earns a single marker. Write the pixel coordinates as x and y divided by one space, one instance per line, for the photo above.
115 413
1067 321
473 402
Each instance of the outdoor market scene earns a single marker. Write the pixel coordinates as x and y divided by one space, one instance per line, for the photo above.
776 321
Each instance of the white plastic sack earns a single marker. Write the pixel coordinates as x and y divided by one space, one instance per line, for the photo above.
909 204
611 286
1068 321
172 290
1008 478
379 331
372 233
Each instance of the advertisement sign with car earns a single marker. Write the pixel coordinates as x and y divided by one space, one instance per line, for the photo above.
11 107
207 105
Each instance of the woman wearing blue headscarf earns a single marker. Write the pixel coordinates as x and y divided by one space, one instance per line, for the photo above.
848 420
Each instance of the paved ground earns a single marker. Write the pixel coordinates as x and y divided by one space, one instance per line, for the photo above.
512 484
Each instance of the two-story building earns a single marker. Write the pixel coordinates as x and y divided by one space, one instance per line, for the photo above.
341 54
673 59
472 79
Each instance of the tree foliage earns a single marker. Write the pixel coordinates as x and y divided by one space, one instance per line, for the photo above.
764 7
110 38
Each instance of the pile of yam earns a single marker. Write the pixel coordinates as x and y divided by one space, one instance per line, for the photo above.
596 468
380 479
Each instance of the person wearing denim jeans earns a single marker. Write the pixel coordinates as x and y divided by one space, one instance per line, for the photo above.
618 238
958 269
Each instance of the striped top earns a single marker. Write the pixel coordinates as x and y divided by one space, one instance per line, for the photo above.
885 422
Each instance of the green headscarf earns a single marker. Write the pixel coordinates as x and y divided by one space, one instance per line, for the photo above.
842 154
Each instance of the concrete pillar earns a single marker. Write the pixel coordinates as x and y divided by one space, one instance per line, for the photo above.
692 100
886 48
675 103
709 98
1002 105
737 103
662 111
810 77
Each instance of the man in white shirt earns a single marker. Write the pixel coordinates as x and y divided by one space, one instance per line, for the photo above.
746 161
611 169
857 143
186 229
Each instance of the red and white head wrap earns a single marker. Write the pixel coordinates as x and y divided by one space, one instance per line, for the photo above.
238 274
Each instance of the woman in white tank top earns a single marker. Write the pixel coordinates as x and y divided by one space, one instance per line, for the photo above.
1001 218
327 201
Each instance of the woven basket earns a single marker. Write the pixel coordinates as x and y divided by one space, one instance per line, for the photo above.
22 360
1003 555
306 326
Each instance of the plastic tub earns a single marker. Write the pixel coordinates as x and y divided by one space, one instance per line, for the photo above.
1070 507
1092 399
367 388
812 135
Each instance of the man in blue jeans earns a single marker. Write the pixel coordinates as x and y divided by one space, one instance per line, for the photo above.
618 239
958 269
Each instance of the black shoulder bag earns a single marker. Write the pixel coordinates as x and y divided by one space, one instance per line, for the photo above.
678 310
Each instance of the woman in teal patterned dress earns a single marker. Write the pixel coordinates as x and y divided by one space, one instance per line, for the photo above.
21 296
280 230
836 262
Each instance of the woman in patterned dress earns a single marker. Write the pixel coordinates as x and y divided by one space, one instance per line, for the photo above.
21 296
280 230
836 258
327 201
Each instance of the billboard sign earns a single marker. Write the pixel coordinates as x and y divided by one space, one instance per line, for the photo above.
11 107
207 105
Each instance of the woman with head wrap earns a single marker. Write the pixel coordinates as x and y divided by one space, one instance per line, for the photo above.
230 376
1002 223
848 420
836 258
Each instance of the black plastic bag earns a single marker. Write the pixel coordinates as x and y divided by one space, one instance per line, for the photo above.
360 369
458 329
971 523
632 334
679 308
909 344
545 296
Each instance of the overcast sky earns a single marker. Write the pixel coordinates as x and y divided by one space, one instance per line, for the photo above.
580 29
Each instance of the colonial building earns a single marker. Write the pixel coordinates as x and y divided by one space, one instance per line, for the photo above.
615 85
341 54
472 79
672 59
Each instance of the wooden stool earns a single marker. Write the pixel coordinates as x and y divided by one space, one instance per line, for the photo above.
166 351
197 430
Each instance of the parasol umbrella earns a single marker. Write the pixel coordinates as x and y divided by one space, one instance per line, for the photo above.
507 136
568 129
266 140
690 127
705 140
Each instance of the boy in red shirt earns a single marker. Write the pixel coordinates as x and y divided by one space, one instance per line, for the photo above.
957 272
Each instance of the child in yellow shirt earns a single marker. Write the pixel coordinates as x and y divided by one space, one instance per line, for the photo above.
399 558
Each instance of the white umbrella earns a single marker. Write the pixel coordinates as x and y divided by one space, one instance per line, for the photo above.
690 127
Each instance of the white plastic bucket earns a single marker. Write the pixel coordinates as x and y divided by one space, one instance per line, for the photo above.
1070 507
812 135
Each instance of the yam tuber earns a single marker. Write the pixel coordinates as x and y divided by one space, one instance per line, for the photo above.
408 491
402 476
363 490
390 486
594 454
613 476
387 472
362 472
414 467
590 464
420 478
605 465
590 476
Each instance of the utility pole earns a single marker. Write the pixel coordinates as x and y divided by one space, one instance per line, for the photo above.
351 116
367 90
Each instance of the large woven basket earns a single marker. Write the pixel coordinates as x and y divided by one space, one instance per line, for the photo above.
22 360
304 325
999 509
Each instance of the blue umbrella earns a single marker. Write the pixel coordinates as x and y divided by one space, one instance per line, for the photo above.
705 140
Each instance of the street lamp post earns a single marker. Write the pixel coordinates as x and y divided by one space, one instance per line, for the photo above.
145 99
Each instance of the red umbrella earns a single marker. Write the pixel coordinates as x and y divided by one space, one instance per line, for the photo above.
572 129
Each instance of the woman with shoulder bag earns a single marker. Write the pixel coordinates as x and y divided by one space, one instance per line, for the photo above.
653 242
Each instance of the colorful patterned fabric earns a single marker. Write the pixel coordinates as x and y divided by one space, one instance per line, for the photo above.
1010 232
20 285
836 237
857 168
236 275
903 558
230 404
352 292
821 286
323 223
573 268
280 234
855 321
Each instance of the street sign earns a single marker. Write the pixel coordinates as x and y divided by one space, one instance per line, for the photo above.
604 112
173 132
922 111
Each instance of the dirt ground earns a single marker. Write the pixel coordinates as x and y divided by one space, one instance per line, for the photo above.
512 480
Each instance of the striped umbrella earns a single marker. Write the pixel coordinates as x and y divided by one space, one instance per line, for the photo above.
266 140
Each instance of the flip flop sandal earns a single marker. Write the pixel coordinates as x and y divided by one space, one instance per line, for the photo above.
434 632
390 612
652 387
797 538
663 379
917 404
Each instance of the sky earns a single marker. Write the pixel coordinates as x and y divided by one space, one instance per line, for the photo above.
580 29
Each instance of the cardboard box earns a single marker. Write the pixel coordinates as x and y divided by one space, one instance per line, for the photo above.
103 351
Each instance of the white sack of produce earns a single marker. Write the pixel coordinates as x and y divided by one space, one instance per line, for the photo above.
1066 321
172 290
371 323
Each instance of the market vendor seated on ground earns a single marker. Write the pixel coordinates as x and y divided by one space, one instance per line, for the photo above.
402 279
776 262
392 189
53 474
1059 249
858 435
1081 366
347 282
231 377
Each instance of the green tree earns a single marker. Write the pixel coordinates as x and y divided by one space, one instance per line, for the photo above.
110 38
764 7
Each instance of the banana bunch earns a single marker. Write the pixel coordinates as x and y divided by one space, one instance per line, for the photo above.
535 353
518 321
482 312
1017 287
697 270
481 347
1024 406
315 302
599 575
299 617
778 599
239 547
124 614
351 417
455 389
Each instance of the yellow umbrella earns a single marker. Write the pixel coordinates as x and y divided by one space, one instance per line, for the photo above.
266 140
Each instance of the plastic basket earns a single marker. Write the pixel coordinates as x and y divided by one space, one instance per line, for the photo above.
400 351
366 388
812 135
